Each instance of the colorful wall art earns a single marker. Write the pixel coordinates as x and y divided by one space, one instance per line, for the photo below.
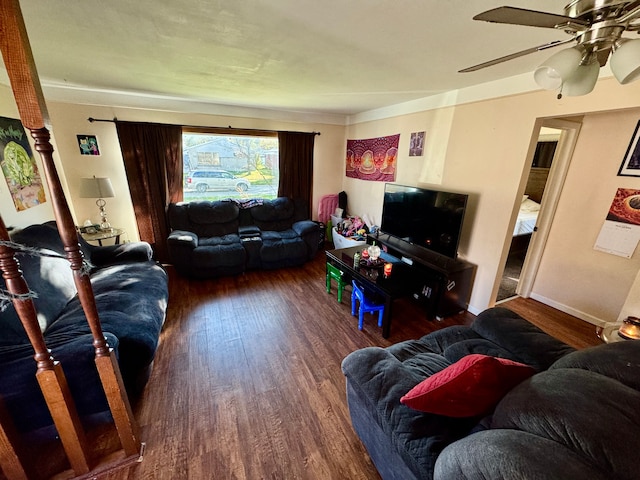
373 159
18 165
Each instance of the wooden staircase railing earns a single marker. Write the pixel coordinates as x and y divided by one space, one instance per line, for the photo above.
20 66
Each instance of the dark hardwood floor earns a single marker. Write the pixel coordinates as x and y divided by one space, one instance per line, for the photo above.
247 381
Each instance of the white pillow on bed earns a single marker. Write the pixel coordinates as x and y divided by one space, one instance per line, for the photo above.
529 206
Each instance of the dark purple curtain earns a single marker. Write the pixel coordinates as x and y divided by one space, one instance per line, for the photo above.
153 162
296 165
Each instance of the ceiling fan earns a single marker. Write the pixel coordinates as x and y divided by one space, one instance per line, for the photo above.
595 26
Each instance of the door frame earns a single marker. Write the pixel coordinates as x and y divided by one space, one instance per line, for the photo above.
550 198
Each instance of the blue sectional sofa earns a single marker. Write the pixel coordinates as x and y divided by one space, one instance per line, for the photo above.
227 237
577 417
131 292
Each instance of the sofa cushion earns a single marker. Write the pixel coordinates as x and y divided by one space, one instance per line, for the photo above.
618 360
470 387
51 279
277 252
525 342
594 416
276 214
206 219
131 303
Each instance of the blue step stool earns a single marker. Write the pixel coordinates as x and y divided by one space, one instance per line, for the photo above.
366 305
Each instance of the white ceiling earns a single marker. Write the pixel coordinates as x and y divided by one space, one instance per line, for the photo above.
318 56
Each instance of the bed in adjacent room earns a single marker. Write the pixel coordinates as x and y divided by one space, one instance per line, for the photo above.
527 217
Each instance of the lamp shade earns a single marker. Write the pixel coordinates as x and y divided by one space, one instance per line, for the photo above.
582 81
625 61
558 68
96 187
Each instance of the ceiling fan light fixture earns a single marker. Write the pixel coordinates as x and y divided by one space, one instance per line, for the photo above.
558 68
625 61
582 81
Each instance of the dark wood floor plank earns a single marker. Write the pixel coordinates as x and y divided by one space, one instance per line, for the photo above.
247 381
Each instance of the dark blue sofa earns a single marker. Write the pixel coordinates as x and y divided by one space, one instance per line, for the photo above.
578 417
131 292
227 237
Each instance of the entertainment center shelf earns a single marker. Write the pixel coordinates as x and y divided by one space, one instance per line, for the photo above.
442 284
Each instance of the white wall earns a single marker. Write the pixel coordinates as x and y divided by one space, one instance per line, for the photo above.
485 155
69 120
572 273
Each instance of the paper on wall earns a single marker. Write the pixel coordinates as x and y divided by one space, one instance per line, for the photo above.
618 238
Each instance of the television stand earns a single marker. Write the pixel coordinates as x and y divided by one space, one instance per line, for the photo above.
442 284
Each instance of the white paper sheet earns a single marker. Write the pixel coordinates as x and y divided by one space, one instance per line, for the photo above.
618 238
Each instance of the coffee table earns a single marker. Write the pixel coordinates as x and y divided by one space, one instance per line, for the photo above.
397 284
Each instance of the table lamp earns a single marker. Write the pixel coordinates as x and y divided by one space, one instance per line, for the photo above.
100 188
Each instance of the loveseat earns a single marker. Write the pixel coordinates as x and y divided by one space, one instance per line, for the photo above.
228 237
131 292
575 415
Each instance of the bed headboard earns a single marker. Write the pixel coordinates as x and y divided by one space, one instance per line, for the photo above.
536 182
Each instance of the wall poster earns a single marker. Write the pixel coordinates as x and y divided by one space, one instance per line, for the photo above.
18 165
620 233
373 159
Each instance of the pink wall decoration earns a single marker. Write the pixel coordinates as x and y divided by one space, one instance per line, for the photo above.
373 159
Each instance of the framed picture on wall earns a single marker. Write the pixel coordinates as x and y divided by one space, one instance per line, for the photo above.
631 164
88 145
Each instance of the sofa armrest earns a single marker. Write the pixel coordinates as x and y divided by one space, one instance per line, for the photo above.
182 238
121 253
305 227
376 380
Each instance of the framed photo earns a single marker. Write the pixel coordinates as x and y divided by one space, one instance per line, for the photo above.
416 144
631 164
88 145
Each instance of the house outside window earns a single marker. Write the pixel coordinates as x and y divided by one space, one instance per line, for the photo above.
220 166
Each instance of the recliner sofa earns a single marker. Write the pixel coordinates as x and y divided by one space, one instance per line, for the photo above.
131 294
578 417
228 237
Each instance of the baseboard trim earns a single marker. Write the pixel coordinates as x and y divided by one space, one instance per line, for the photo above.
598 322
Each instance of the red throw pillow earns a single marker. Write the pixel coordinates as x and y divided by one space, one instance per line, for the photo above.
470 387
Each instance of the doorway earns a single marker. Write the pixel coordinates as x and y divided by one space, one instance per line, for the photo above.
536 206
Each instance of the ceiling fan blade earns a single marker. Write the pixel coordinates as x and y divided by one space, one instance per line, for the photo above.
521 16
515 55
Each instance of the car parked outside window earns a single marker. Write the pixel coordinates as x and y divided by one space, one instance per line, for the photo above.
220 180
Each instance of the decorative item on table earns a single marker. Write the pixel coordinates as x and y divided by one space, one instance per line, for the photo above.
99 188
365 254
630 328
387 269
356 260
374 252
89 227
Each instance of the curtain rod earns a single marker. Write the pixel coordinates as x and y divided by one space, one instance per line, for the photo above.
114 120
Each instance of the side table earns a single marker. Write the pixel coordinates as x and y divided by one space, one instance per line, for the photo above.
101 235
608 333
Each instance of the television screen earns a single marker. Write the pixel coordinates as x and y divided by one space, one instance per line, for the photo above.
427 218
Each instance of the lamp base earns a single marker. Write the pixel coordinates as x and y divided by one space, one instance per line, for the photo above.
630 328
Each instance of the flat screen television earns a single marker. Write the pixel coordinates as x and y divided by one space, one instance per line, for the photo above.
430 219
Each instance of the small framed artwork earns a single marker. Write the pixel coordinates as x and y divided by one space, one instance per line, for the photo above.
631 164
416 144
88 145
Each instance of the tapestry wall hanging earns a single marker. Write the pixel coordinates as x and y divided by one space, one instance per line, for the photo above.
373 159
18 165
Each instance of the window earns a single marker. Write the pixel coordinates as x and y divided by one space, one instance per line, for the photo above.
218 166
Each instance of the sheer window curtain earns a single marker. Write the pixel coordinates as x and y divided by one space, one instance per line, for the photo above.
296 165
153 163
